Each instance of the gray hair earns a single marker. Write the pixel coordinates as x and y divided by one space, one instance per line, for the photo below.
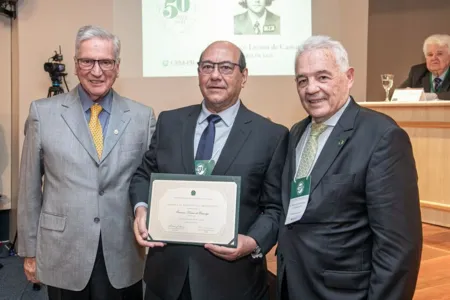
436 39
316 42
90 32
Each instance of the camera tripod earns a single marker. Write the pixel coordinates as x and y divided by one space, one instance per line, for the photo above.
54 90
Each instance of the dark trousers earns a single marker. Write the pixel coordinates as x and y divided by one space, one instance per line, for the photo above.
185 292
284 294
99 287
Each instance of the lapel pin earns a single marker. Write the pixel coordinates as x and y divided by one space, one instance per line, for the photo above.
341 142
116 131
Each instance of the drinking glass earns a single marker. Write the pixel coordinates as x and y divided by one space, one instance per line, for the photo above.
387 80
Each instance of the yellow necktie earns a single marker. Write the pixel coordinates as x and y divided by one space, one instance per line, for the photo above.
96 129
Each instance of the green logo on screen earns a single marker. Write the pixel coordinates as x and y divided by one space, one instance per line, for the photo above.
193 193
173 7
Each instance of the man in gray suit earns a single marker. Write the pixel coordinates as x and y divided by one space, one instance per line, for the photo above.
350 226
257 19
80 151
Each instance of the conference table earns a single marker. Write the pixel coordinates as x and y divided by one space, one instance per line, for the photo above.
428 126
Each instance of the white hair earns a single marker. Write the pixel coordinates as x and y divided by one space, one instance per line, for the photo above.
316 42
436 39
90 32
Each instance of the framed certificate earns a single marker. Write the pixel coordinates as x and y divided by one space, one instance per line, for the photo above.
193 209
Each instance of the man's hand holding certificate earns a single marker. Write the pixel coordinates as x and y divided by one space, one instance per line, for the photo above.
140 229
246 245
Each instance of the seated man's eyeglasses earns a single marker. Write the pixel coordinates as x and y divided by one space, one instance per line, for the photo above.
208 67
88 64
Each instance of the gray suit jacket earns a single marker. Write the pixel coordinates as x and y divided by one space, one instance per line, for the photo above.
243 24
67 196
360 237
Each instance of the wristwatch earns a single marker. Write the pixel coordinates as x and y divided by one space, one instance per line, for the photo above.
257 253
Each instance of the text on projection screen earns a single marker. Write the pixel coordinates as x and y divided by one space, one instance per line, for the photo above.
176 31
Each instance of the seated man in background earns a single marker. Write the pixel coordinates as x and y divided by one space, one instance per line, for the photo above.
432 76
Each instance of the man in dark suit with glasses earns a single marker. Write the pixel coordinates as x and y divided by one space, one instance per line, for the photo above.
244 144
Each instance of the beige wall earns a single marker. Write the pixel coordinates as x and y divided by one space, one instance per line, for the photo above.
43 25
396 33
5 112
15 136
346 21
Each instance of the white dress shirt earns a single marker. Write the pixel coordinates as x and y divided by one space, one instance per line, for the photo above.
223 128
261 20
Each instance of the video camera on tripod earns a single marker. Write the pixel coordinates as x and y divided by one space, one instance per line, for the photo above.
56 69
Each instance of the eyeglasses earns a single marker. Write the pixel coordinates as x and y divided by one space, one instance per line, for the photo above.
88 64
208 67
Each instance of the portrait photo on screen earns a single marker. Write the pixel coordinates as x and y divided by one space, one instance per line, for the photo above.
257 18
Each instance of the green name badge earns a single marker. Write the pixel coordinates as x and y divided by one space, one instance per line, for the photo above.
204 167
300 189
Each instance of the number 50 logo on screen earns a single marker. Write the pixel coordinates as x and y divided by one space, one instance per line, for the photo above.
173 7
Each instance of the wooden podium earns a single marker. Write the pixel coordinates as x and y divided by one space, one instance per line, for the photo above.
428 126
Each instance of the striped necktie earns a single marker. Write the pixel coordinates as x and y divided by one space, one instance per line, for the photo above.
437 83
310 150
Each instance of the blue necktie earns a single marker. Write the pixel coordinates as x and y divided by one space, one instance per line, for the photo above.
206 143
437 83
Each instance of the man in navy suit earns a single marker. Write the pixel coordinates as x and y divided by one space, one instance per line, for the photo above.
245 144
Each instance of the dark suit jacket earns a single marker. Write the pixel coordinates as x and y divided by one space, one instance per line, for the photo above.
243 24
419 77
360 236
255 150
